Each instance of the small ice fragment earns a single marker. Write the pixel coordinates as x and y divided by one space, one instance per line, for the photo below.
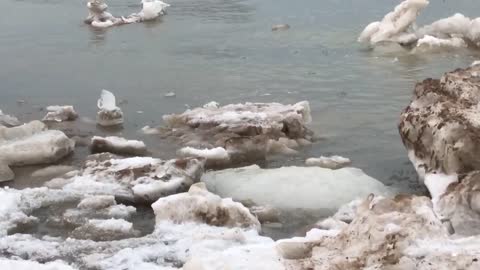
280 27
333 162
109 114
170 94
60 113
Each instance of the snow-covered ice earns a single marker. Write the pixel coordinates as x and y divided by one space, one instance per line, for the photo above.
314 187
60 113
333 162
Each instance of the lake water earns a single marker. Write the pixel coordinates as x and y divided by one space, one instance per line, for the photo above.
224 50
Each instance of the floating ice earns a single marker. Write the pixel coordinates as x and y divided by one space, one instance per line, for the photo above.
6 264
31 144
248 132
333 162
8 120
109 114
143 179
199 205
118 145
60 114
314 188
399 26
213 156
100 18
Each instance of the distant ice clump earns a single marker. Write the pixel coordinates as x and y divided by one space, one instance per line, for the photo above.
317 188
399 26
100 18
8 120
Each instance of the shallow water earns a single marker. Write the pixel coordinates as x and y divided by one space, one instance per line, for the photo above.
224 50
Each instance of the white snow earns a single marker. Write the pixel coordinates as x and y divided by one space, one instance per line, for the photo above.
218 153
437 183
333 162
113 225
312 187
6 264
395 24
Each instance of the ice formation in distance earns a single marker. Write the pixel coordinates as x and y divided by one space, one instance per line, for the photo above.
399 26
100 18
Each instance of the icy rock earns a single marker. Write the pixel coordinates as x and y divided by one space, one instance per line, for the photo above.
199 205
141 179
31 144
8 120
246 131
333 162
398 233
60 114
109 114
439 128
460 205
316 188
118 145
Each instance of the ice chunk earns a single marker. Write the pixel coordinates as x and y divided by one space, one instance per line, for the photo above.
109 114
151 9
437 183
143 179
395 25
248 132
97 202
215 155
60 113
8 120
31 144
315 188
333 162
199 205
118 145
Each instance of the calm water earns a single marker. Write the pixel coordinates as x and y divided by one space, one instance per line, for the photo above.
224 50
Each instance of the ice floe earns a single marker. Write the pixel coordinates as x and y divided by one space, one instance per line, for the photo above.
118 145
60 113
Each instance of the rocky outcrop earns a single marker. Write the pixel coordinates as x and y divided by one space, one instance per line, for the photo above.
399 233
248 132
440 127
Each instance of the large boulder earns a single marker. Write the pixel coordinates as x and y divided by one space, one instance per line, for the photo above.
440 127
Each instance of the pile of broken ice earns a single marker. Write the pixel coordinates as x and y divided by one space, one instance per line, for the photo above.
199 219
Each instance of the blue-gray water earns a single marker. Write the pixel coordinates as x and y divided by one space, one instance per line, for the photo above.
224 50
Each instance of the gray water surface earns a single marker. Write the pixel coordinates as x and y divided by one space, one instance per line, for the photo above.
224 50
